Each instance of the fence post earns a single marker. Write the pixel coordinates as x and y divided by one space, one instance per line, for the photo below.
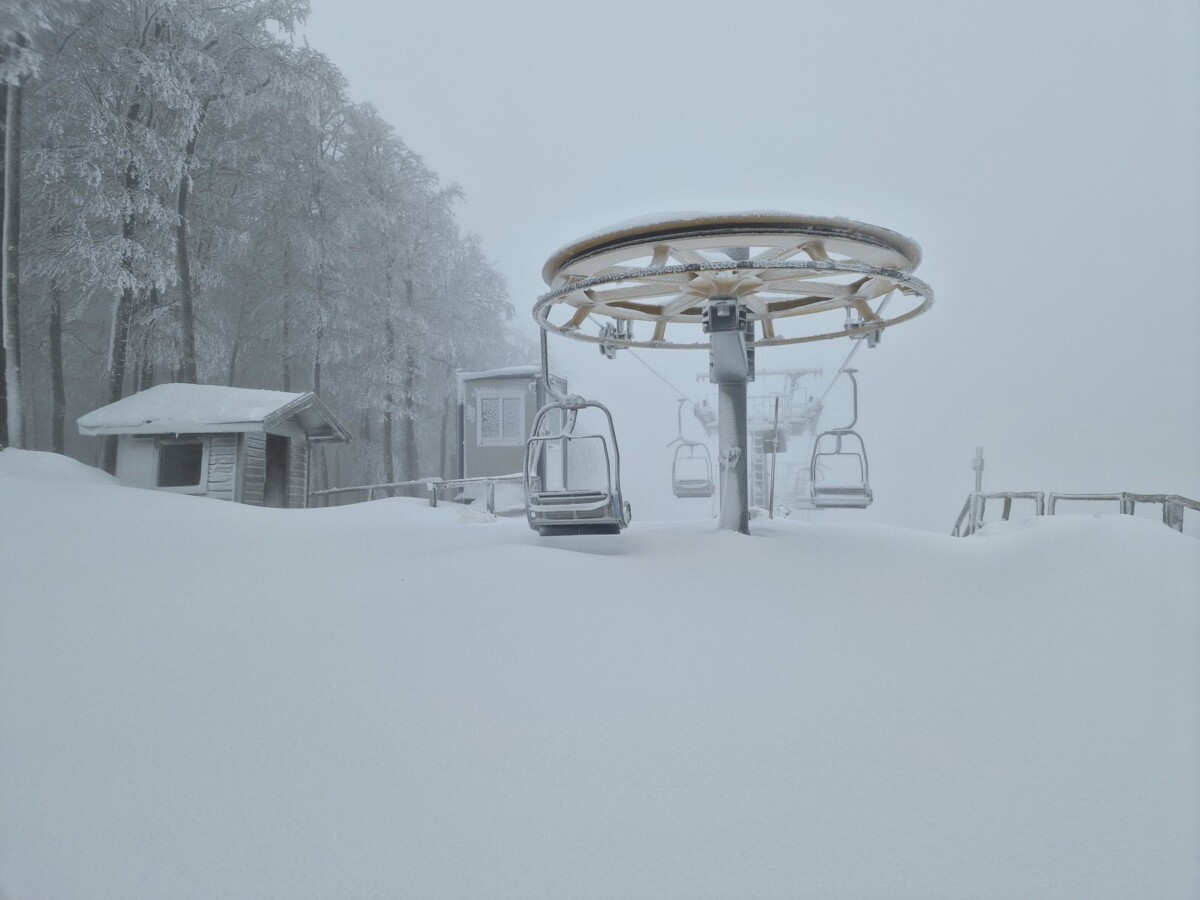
491 497
432 493
1173 514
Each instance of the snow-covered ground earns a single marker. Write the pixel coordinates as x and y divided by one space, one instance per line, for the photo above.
204 700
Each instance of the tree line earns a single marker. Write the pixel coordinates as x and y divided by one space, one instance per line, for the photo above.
190 195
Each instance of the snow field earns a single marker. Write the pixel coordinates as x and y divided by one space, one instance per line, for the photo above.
387 700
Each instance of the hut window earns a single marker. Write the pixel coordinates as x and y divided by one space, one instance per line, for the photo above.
181 464
501 419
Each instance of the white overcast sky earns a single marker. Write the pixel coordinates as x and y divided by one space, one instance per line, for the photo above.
1044 154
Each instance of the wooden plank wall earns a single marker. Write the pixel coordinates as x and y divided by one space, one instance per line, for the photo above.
222 465
254 467
297 487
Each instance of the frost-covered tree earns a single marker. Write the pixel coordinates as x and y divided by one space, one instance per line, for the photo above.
23 25
201 201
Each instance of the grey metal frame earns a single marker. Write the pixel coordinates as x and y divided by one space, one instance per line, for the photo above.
970 518
565 511
692 487
849 496
431 485
727 297
844 496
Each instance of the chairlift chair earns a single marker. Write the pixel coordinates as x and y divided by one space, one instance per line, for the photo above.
847 444
692 471
572 480
691 466
800 496
826 494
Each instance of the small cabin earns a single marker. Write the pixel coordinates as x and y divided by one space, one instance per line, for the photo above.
238 444
495 414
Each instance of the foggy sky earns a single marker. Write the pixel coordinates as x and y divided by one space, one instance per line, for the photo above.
1044 155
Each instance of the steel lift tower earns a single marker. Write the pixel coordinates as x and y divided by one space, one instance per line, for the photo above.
731 284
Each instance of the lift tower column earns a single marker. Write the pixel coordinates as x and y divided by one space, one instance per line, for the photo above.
731 367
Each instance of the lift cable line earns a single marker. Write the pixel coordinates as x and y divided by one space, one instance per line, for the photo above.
660 377
653 372
850 356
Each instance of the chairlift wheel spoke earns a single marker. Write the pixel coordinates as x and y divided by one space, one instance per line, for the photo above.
775 254
864 309
580 317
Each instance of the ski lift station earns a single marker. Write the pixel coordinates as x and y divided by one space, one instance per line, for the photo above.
733 285
495 417
248 446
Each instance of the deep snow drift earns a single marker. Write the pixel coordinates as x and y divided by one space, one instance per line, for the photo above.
384 700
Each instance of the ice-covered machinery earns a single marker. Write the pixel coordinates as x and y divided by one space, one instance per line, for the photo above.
839 477
691 466
732 284
573 470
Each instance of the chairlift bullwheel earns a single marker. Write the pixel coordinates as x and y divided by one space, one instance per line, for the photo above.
794 275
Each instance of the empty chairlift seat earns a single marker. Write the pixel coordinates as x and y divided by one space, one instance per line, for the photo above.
572 474
838 473
692 471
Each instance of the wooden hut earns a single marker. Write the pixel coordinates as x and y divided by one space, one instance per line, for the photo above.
238 444
495 414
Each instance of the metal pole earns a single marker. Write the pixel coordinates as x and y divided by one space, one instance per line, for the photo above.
1173 514
976 500
774 462
731 366
731 419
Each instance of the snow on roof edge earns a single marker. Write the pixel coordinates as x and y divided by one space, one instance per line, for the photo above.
178 408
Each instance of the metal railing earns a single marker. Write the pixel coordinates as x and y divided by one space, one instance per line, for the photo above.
970 519
432 486
1173 505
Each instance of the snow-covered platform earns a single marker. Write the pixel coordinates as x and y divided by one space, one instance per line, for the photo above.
392 700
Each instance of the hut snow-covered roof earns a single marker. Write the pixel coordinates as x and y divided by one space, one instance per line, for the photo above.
208 408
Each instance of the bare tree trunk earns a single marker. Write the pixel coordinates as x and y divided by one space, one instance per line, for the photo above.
409 396
389 446
123 311
322 457
3 354
287 316
316 370
287 368
365 457
15 413
231 372
118 348
145 379
58 413
445 441
183 263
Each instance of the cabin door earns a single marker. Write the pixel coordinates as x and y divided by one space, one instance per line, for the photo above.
275 488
